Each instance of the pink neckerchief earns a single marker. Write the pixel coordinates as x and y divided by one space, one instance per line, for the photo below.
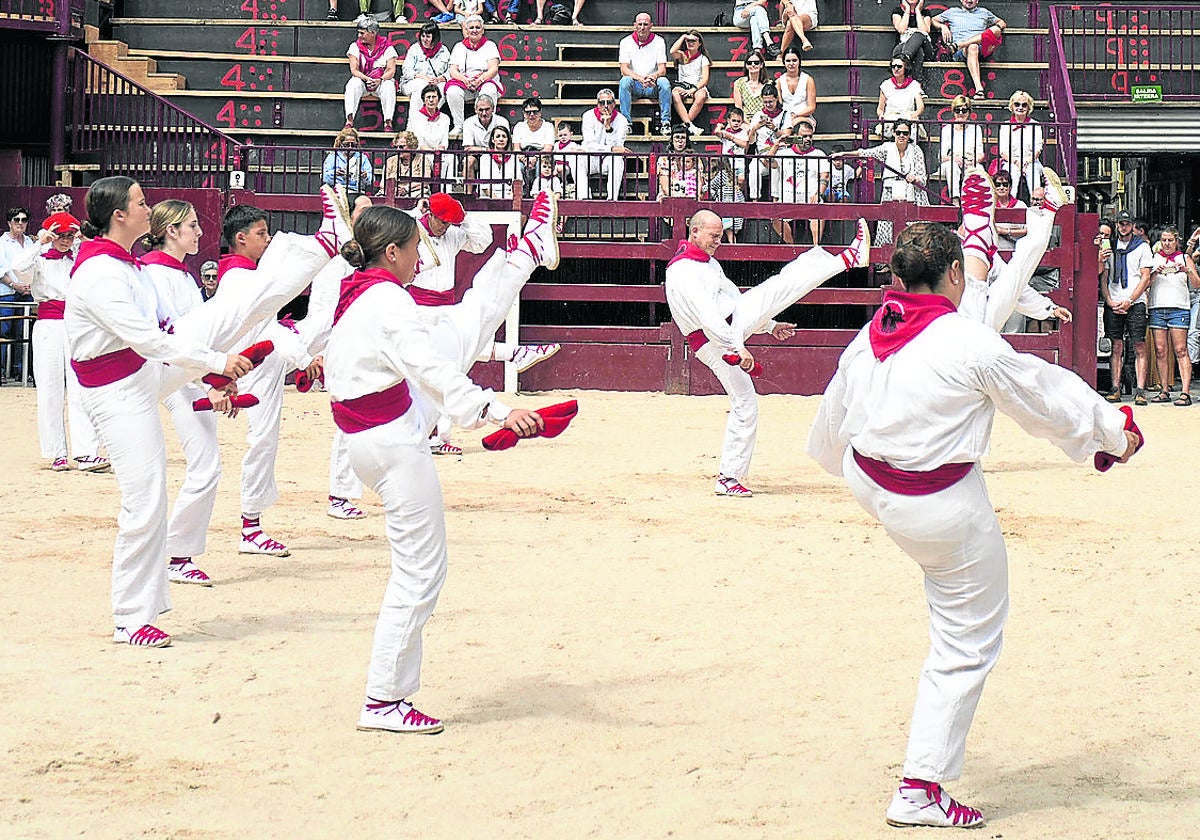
164 259
1019 123
368 57
468 45
1012 202
902 318
640 43
902 85
599 115
558 144
1170 258
811 149
689 250
772 114
232 261
688 57
501 159
355 284
431 51
431 116
55 254
102 247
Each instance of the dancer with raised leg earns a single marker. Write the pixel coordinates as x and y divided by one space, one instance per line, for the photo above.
905 420
390 374
716 318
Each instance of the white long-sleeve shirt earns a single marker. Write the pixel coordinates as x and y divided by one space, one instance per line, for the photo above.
47 279
176 289
112 305
382 339
933 401
435 268
701 297
596 138
288 344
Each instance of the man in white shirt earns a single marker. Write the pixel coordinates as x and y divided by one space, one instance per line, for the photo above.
477 128
605 129
13 243
643 60
802 178
1125 305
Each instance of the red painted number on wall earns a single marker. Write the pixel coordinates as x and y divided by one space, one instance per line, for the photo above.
233 78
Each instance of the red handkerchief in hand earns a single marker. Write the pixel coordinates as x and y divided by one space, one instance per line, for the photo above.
304 383
240 401
556 417
735 359
255 353
1104 460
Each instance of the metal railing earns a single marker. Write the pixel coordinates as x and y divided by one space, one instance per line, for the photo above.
1109 50
56 17
118 127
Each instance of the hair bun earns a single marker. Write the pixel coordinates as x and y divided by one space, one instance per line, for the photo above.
352 253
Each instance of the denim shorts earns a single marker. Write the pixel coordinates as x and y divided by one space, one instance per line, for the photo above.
1162 318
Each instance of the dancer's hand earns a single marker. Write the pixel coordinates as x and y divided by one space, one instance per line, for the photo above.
747 362
313 371
237 365
1061 313
783 331
524 422
1132 442
220 399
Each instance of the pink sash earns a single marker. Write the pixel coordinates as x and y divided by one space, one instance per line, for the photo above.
909 483
109 368
371 410
51 310
426 297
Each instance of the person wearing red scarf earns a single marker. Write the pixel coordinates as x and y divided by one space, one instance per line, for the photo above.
474 69
1020 146
905 420
900 97
427 62
692 66
643 59
372 72
390 373
717 318
46 269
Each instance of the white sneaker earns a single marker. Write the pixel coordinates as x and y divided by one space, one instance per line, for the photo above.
540 237
437 447
858 252
528 355
731 487
335 228
145 636
93 463
1056 194
925 803
187 572
60 464
397 716
257 542
340 508
694 130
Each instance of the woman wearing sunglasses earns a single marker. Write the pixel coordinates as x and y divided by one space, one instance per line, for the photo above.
692 65
904 173
900 97
1021 145
747 89
962 146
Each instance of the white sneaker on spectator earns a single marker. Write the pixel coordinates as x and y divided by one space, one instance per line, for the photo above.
397 716
1056 195
528 355
926 804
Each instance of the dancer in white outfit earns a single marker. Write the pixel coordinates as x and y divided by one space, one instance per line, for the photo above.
113 330
389 375
716 318
245 229
47 273
905 420
175 234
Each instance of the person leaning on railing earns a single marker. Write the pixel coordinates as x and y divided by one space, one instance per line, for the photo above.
347 166
678 174
500 166
961 146
404 168
904 173
802 177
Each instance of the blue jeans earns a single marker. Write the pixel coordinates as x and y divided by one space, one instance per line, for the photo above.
491 6
630 89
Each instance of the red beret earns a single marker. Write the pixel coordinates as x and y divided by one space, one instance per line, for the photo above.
446 208
61 222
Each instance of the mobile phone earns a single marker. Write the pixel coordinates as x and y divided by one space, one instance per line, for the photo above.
1105 244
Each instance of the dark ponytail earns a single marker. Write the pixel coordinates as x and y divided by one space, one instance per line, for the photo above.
377 227
104 198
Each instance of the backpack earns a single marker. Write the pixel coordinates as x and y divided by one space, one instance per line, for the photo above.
558 15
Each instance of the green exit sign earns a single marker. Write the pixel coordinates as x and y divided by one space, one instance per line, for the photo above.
1147 93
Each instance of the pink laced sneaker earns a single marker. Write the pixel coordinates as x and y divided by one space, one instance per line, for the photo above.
93 463
918 802
979 214
539 240
731 487
335 221
60 464
858 252
257 542
145 636
183 570
340 508
440 448
397 716
528 355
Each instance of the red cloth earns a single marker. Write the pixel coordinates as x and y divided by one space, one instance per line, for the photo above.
304 383
109 368
425 297
240 401
689 251
369 57
60 223
371 410
1105 460
255 353
735 359
556 417
909 482
165 259
355 284
446 208
231 261
55 254
102 247
902 318
51 310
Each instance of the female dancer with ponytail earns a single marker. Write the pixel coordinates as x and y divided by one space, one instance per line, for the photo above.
905 420
116 341
390 374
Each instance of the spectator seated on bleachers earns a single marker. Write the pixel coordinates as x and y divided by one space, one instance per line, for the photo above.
771 127
678 172
1007 233
476 130
347 166
972 34
801 176
432 128
502 11
533 130
797 89
605 130
1020 145
427 62
692 67
799 17
474 69
903 172
900 97
500 166
445 11
914 27
556 19
752 15
403 166
372 71
747 88
463 9
569 163
364 6
643 58
961 146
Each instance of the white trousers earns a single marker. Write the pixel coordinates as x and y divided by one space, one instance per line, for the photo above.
754 308
1009 279
125 415
259 490
187 529
343 482
356 89
395 461
612 166
458 96
955 538
60 404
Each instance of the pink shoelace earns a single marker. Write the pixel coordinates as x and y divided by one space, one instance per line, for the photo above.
850 255
958 813
147 636
975 199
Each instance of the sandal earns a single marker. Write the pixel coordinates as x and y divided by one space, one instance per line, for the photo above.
1140 398
1183 399
1113 396
1161 397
